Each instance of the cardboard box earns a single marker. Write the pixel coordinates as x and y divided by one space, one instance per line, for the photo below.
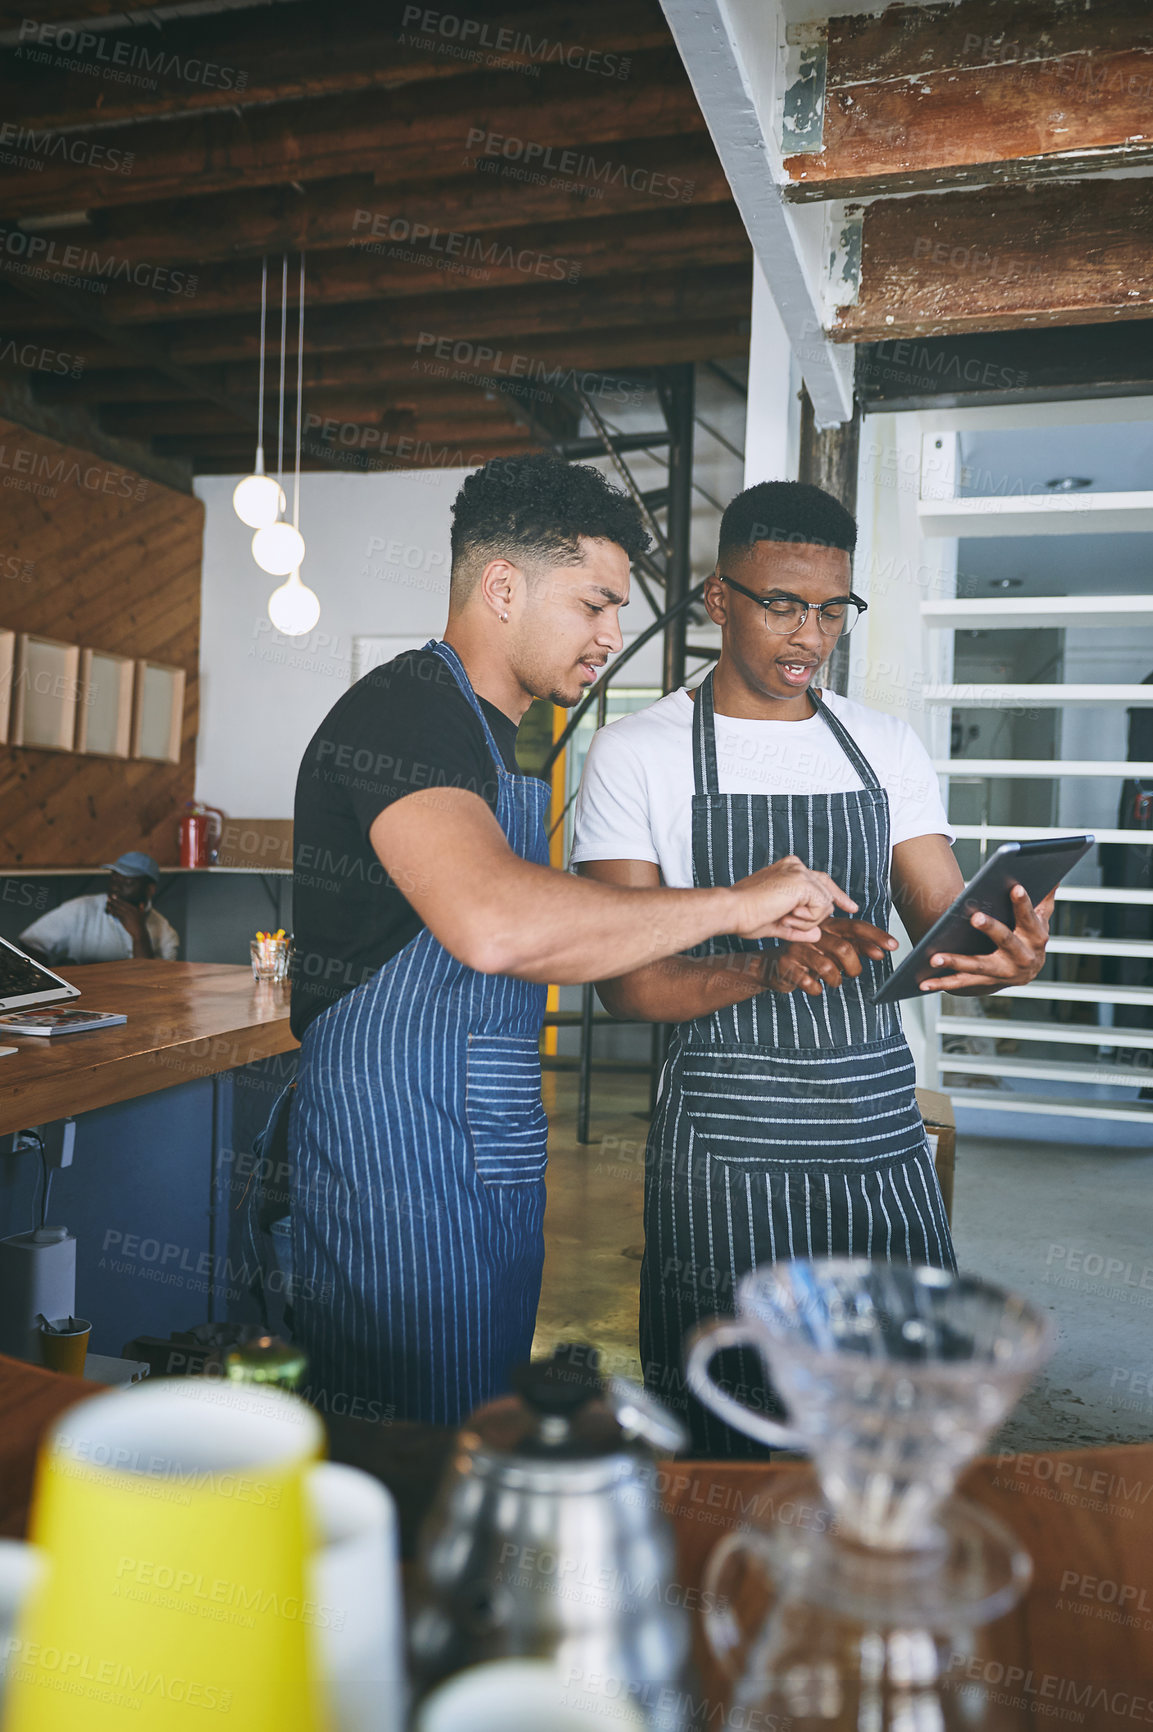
941 1128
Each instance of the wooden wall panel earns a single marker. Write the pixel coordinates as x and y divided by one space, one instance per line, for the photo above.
104 558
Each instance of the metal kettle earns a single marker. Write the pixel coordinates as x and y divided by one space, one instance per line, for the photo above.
547 1539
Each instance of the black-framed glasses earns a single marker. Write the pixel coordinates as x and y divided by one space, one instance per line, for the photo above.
787 613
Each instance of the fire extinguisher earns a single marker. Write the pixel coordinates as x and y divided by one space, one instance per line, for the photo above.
200 830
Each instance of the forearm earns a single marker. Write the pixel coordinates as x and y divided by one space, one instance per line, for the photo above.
142 947
678 988
549 926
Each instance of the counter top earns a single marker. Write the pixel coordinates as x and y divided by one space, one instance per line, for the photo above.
185 1020
1077 1653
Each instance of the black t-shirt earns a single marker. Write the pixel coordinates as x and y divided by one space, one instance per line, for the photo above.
404 726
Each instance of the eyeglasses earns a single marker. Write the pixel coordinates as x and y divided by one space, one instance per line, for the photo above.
787 613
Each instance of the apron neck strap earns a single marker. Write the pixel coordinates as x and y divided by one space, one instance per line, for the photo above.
456 667
705 740
705 779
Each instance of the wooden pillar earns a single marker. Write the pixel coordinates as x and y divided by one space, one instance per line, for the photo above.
828 459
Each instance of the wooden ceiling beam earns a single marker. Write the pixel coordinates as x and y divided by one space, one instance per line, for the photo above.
379 444
449 265
148 420
410 134
485 319
455 456
592 354
1004 258
62 77
329 214
14 13
923 97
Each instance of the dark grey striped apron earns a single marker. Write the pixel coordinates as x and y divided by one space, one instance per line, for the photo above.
786 1126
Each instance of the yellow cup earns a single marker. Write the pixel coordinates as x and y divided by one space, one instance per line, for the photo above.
64 1347
176 1528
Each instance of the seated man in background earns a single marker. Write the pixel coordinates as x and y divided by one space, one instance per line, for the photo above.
115 925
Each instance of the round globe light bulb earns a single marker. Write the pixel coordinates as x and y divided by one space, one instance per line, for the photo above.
293 608
258 500
278 549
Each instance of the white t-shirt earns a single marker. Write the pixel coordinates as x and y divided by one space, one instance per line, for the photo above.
637 788
83 931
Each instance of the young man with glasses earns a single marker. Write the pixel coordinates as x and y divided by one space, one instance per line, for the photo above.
787 1124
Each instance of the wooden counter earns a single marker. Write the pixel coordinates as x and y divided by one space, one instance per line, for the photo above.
1078 1652
185 1020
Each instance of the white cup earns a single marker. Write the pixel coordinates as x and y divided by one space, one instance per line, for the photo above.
523 1696
356 1577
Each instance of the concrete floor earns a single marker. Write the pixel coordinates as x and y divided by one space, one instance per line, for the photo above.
1069 1227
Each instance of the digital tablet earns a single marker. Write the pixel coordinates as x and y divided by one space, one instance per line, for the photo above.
25 982
1038 866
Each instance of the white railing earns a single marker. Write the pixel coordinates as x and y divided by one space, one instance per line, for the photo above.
942 512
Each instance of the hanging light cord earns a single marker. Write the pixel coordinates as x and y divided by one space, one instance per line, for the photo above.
299 400
283 333
263 324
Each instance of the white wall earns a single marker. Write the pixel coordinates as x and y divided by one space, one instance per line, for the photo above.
378 558
773 419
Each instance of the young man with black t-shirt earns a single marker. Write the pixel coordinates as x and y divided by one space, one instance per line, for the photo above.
428 924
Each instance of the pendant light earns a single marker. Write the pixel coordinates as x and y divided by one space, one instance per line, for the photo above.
258 500
278 547
294 608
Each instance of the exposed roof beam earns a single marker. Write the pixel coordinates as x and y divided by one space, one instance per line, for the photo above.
149 420
922 97
419 132
445 266
998 367
448 335
730 49
666 174
66 78
603 361
111 15
143 348
1004 258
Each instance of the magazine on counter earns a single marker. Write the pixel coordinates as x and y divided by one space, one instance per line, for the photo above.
49 1021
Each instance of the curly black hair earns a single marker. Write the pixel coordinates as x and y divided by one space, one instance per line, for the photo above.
534 510
785 511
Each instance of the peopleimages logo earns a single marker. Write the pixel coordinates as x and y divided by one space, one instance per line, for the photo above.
477 39
458 357
39 359
84 152
524 159
90 268
118 59
455 251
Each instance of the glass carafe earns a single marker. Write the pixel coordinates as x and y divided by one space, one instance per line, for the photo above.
893 1379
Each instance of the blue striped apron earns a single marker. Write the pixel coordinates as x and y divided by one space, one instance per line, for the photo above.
786 1126
418 1137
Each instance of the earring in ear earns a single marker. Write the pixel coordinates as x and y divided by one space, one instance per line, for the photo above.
504 616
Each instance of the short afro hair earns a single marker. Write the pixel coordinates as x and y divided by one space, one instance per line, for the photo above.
786 511
534 511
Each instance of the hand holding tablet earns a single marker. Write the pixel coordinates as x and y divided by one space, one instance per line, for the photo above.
1005 907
